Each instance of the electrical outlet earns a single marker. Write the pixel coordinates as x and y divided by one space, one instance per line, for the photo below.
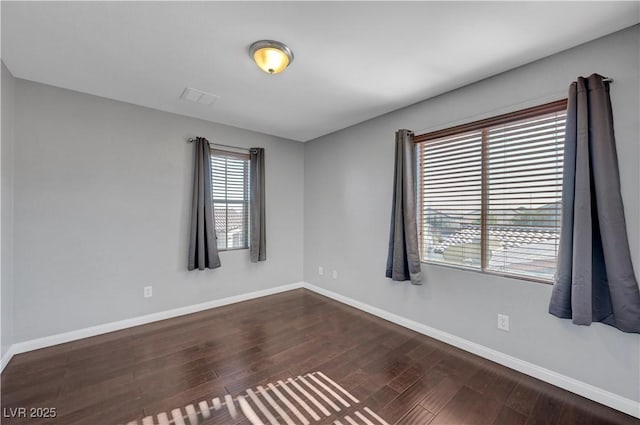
320 270
148 291
334 274
503 322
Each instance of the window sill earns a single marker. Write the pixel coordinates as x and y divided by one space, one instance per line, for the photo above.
489 272
232 249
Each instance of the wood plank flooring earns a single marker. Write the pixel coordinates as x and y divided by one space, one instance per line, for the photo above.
404 377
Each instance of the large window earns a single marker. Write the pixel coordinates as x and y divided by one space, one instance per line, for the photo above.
230 185
490 193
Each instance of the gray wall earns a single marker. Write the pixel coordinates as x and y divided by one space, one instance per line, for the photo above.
6 216
348 179
102 196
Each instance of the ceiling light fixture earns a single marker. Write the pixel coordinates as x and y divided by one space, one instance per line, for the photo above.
271 56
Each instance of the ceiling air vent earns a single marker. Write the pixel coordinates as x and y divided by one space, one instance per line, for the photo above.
198 96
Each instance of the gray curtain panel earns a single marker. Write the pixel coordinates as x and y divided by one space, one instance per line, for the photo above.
595 280
203 250
403 261
257 233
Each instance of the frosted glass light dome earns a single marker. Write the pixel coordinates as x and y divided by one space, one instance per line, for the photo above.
271 56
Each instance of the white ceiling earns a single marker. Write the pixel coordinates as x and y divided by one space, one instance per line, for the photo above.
353 60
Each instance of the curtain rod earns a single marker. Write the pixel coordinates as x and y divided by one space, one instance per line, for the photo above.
192 139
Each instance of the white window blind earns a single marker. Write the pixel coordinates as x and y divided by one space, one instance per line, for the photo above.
230 186
452 199
525 194
490 194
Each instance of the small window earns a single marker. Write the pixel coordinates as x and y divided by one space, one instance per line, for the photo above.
490 193
230 185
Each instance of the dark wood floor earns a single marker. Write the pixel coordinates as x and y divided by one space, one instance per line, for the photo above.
403 376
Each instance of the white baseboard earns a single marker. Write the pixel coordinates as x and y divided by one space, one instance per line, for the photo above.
6 357
47 341
589 391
